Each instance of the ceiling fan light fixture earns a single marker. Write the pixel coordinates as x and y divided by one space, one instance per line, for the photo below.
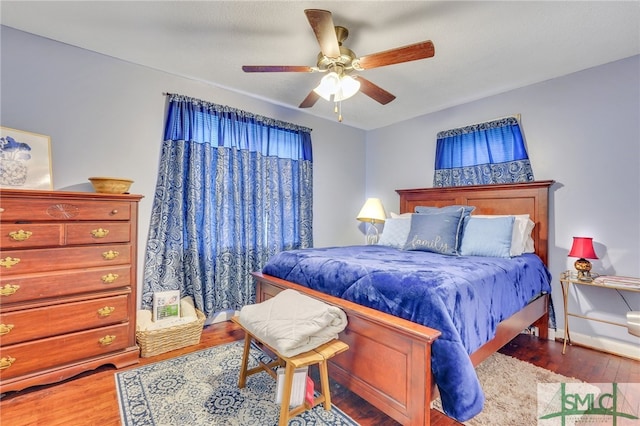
338 61
328 86
349 86
336 86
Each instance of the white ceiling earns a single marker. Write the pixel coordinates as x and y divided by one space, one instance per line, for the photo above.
482 48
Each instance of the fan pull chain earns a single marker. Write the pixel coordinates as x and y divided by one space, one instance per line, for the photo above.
338 110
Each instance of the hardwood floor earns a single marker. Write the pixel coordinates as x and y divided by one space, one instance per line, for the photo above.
90 398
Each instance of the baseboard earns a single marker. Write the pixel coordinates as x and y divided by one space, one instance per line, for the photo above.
616 347
220 317
534 331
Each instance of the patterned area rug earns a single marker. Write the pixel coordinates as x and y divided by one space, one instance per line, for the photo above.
201 388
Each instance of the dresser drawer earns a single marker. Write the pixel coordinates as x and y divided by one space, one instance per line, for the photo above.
27 235
37 355
97 233
14 262
21 288
37 323
33 235
48 209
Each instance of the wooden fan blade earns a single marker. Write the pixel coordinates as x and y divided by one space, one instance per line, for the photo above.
310 100
374 91
412 52
276 68
322 24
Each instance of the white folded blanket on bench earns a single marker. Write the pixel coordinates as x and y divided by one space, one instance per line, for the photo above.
293 323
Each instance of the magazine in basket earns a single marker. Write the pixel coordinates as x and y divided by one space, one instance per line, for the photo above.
166 305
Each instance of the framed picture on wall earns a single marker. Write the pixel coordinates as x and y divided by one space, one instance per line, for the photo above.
25 160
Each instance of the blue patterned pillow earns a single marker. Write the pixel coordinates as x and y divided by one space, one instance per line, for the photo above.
487 236
395 232
436 232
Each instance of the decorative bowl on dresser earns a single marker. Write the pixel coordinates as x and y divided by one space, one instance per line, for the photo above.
67 284
111 185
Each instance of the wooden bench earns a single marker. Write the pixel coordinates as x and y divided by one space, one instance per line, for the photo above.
318 356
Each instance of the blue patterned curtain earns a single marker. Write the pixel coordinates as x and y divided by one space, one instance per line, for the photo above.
233 189
492 152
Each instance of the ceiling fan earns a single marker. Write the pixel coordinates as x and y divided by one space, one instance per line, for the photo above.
341 64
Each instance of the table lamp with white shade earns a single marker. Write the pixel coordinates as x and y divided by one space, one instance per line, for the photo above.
372 212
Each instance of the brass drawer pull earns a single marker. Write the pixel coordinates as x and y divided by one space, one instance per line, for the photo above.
107 340
20 235
5 329
6 362
106 311
109 278
110 255
100 233
8 289
8 262
114 212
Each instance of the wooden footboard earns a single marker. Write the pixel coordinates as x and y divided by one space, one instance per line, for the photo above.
389 360
389 363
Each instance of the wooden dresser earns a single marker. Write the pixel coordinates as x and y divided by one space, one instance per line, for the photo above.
67 284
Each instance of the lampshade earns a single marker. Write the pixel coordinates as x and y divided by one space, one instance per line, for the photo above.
372 211
583 248
340 87
349 86
328 86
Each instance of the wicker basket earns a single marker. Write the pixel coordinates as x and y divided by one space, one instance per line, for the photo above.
155 342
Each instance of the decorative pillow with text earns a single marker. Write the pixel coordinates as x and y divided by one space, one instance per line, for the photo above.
437 232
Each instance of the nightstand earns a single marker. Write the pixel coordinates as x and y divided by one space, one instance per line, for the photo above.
568 278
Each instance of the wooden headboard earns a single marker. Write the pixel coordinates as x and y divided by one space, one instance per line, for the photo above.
515 198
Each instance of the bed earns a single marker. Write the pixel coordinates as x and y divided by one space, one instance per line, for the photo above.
390 360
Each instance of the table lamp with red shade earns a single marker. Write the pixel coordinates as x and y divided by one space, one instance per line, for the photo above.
583 249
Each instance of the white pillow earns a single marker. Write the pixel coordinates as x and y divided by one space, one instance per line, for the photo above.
400 216
529 246
521 241
395 232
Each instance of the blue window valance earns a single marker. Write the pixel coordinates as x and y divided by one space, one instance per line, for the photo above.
485 153
195 120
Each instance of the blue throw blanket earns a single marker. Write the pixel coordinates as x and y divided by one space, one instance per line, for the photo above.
465 297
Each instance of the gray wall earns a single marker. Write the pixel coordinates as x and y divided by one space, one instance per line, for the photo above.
582 131
105 117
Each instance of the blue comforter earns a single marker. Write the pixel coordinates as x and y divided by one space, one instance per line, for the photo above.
463 297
